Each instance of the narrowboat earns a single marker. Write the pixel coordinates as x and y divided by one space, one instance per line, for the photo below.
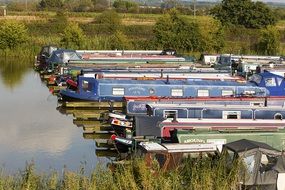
151 73
90 89
216 111
43 56
162 128
204 111
270 137
59 57
137 105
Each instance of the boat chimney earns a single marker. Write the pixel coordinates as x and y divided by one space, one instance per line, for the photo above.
174 120
161 73
258 69
167 79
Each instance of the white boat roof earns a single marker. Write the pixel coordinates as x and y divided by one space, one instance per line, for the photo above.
177 147
121 51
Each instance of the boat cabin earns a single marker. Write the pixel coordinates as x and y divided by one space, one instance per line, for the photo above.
264 165
171 155
60 57
275 84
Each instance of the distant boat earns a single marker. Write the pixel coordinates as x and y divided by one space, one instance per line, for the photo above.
138 105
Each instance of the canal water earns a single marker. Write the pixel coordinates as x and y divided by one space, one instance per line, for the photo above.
33 130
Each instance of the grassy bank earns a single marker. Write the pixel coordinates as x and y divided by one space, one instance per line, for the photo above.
196 174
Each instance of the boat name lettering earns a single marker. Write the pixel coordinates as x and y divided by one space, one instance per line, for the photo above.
136 88
139 107
194 141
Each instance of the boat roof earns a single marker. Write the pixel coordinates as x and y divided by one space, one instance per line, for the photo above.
198 82
176 147
244 145
217 106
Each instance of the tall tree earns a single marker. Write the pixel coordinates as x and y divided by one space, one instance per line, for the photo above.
51 4
124 6
244 12
173 31
269 41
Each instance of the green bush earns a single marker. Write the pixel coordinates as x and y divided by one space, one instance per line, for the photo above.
12 34
269 41
110 21
72 37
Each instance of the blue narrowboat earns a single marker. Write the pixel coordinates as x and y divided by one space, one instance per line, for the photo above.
215 111
137 106
90 89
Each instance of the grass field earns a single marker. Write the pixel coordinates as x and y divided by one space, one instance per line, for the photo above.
138 28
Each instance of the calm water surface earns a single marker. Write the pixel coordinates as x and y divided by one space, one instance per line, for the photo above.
33 130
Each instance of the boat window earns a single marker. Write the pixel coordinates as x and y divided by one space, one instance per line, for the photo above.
279 81
170 113
230 156
248 92
257 104
203 93
86 86
151 91
267 162
177 92
149 110
249 162
256 78
227 92
118 91
270 81
278 116
231 114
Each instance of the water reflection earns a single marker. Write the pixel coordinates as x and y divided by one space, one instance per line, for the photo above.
95 126
32 128
12 72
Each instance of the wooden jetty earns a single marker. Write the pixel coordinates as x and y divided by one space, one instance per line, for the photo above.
98 135
104 143
89 129
86 114
107 152
81 123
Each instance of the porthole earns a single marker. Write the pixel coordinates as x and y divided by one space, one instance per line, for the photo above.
278 116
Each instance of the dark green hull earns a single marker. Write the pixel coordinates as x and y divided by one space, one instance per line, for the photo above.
274 139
